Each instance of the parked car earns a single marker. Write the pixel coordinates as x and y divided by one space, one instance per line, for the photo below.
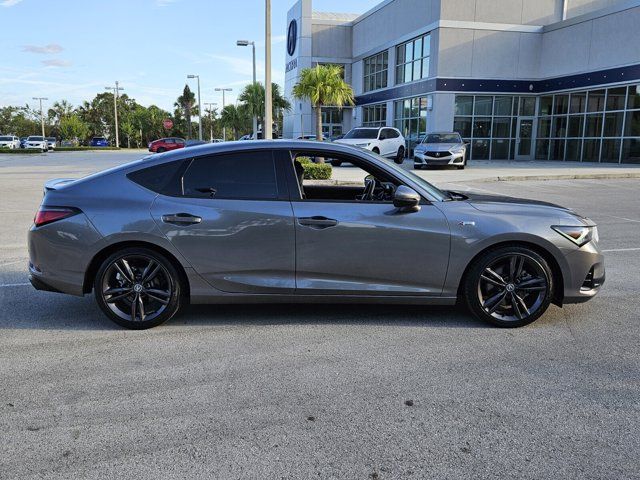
307 137
385 141
236 222
37 142
9 141
217 140
99 142
23 142
166 144
74 142
440 148
193 143
51 141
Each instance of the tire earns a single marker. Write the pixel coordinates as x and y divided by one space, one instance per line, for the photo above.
160 150
160 294
418 167
493 292
400 156
336 163
376 150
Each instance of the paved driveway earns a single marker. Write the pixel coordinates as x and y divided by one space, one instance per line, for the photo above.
321 391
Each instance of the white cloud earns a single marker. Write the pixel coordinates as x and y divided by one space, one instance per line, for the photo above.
56 62
46 49
10 3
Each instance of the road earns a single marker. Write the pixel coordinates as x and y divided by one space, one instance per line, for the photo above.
320 391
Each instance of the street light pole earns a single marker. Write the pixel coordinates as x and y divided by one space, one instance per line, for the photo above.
224 129
199 107
116 91
267 128
41 114
210 105
245 43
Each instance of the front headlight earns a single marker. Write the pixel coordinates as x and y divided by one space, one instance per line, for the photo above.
362 145
578 235
457 150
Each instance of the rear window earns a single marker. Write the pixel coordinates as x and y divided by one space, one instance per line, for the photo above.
164 178
242 175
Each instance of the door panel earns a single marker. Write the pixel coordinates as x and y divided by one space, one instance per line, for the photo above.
239 246
524 140
369 249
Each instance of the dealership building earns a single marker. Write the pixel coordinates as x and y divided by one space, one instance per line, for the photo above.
519 79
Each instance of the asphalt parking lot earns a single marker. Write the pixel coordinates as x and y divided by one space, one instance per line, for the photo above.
319 391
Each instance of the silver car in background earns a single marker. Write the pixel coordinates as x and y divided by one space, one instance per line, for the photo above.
237 222
440 148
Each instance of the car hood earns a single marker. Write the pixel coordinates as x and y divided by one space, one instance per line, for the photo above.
355 141
438 147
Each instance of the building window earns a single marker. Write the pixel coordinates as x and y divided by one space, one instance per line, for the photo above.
375 71
374 115
410 117
488 123
412 59
331 122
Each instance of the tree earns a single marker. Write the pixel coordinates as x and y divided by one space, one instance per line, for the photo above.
71 127
323 85
187 104
253 99
236 118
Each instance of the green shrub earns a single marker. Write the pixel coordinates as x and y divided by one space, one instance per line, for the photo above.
19 151
78 149
317 171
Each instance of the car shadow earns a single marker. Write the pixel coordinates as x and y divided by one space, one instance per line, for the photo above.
25 308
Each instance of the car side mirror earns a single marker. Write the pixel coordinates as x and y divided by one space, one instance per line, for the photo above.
407 199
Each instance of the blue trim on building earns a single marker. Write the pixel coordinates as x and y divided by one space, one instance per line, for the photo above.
583 80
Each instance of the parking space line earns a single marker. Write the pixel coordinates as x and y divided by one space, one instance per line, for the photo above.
635 249
6 285
621 218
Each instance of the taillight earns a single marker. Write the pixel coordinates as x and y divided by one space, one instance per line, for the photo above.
53 214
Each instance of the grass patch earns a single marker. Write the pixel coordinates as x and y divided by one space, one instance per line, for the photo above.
19 151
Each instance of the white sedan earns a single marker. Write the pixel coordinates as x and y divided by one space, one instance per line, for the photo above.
10 141
37 142
385 141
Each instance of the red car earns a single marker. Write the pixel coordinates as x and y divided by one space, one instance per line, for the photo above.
166 144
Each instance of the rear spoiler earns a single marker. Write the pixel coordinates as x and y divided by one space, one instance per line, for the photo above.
57 183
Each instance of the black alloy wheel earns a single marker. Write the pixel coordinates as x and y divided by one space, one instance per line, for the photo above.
138 288
509 287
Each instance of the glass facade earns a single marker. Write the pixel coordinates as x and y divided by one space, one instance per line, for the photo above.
600 125
374 115
412 59
375 70
489 123
331 122
410 117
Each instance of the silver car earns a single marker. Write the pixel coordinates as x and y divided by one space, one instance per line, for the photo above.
237 222
440 148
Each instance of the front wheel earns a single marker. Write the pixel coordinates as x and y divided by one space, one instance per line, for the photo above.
138 288
400 156
510 286
376 150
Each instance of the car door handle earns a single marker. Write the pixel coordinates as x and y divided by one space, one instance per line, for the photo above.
317 222
181 219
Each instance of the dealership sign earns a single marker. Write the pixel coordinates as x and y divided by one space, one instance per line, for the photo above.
167 124
292 37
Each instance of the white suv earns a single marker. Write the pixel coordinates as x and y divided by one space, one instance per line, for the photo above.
385 141
9 141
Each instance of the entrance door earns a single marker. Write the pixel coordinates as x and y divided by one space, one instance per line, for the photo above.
524 138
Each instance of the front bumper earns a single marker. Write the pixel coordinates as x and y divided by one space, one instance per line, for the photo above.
586 274
446 158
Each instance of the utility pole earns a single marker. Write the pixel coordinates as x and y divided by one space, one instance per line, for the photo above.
245 43
41 114
210 105
224 129
115 91
199 107
267 128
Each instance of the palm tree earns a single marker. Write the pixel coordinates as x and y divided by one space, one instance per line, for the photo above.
235 118
323 85
187 103
252 98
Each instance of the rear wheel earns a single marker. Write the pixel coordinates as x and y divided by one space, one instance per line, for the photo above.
138 288
400 156
509 287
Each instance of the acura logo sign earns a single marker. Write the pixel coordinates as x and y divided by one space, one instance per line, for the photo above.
292 37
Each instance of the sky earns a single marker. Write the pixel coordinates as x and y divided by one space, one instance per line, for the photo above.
72 49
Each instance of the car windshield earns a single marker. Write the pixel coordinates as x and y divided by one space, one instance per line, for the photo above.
362 133
5 139
442 138
51 138
36 139
98 139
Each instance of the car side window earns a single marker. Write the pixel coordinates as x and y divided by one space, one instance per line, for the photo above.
163 178
391 133
383 134
243 175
